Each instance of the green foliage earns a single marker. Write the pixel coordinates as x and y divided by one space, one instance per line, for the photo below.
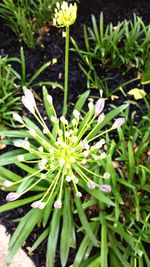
25 17
9 93
13 81
126 44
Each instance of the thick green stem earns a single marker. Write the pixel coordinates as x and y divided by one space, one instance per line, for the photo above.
66 72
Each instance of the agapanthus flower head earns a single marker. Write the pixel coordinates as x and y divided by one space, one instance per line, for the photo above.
65 14
63 156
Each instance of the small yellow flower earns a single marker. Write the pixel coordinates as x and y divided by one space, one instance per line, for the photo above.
65 14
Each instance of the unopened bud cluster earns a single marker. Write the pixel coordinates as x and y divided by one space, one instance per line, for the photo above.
63 156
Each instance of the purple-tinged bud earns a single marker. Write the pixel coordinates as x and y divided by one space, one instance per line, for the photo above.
106 175
91 185
12 196
101 117
38 204
99 106
7 183
118 123
58 204
105 188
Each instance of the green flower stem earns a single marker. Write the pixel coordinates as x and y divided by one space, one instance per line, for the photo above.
86 138
53 184
30 187
61 186
66 72
87 170
27 177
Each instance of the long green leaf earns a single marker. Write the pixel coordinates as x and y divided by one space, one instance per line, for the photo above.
53 238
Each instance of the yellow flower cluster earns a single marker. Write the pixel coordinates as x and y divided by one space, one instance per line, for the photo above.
65 14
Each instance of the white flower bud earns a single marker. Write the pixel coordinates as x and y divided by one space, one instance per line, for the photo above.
68 178
118 123
74 122
45 131
90 105
61 162
85 145
53 119
67 134
17 117
42 163
63 120
38 204
105 188
106 175
91 185
29 101
40 149
101 117
78 194
76 114
7 183
58 204
12 196
99 106
54 60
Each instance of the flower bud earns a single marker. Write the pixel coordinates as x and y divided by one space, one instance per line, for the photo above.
106 175
68 178
12 196
38 204
76 114
90 105
29 101
58 204
7 183
91 185
118 123
63 120
99 106
17 117
105 188
78 194
101 117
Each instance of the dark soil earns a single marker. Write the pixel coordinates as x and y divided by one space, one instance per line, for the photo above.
51 45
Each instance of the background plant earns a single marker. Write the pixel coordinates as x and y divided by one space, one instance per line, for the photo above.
126 44
26 17
9 93
13 82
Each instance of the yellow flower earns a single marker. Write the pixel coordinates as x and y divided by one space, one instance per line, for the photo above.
65 14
